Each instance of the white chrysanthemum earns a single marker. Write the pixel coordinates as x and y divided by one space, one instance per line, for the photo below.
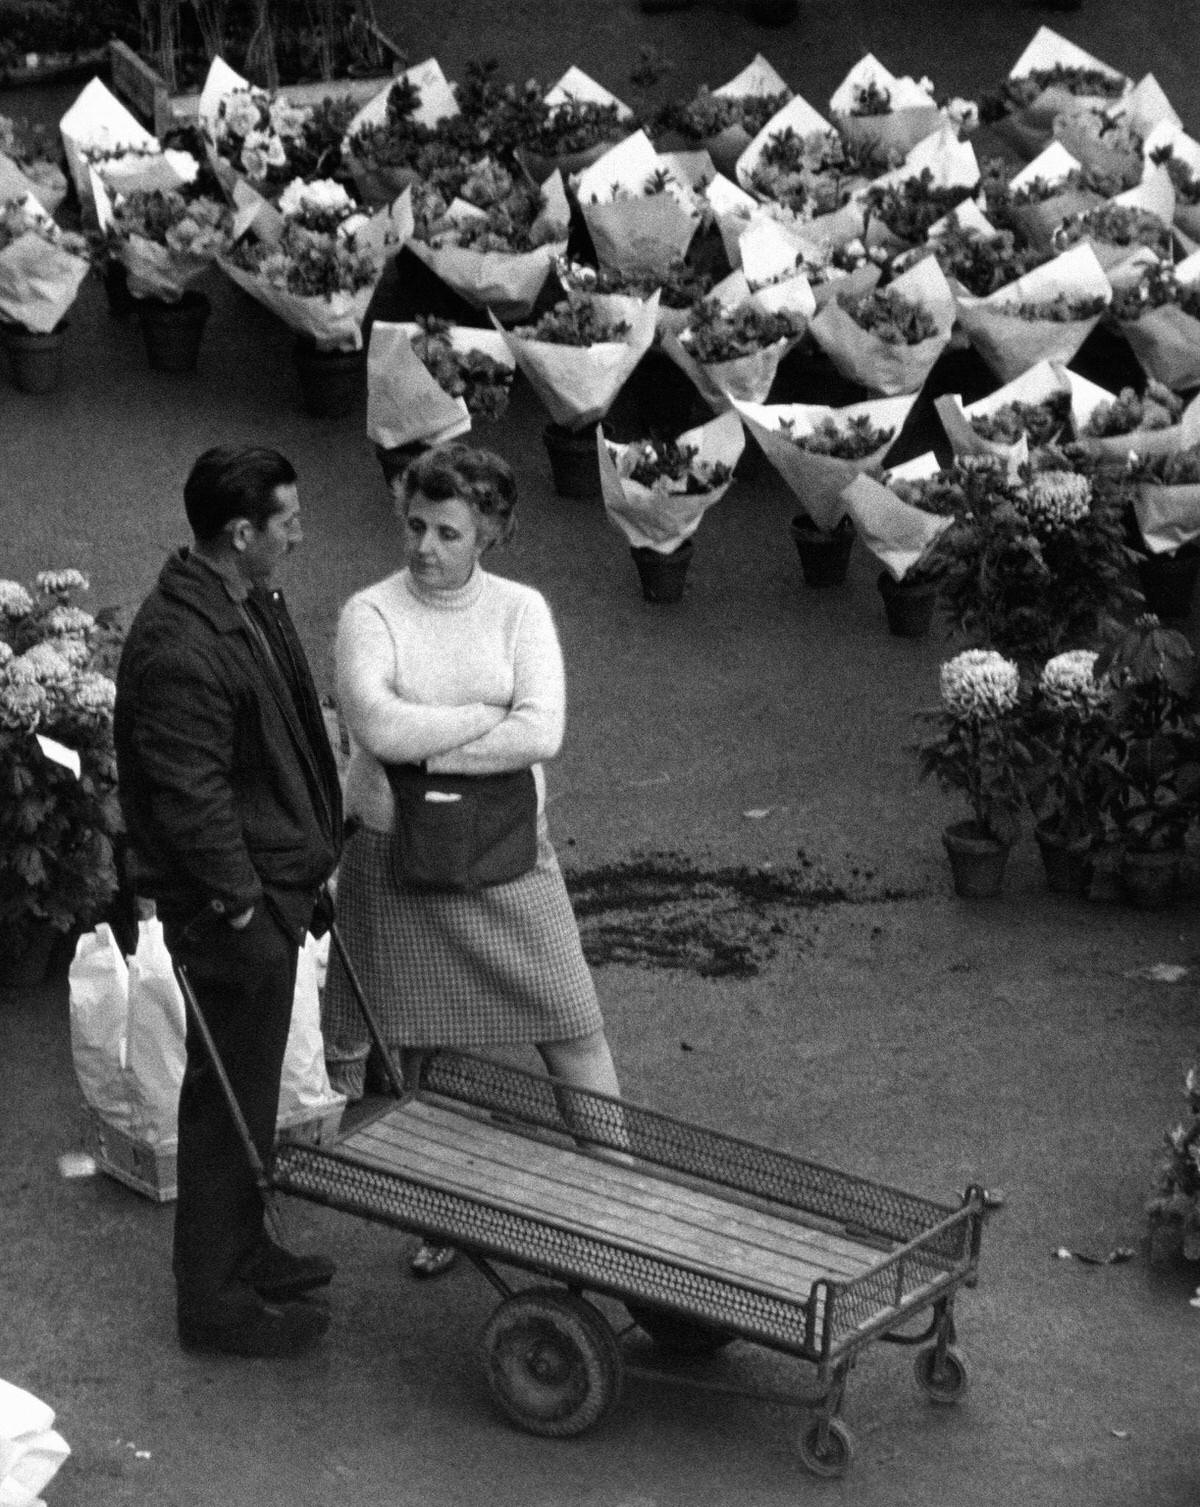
15 601
21 705
979 683
320 197
1068 681
242 113
6 653
94 695
1057 499
57 583
68 622
48 666
74 650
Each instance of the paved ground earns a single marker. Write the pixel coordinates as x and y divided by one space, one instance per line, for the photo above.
889 1028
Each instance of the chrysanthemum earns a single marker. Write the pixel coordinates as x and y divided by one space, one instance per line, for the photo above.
979 683
1058 499
57 583
15 601
1068 682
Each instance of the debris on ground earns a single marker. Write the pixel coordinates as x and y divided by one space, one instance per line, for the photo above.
1115 1257
1160 973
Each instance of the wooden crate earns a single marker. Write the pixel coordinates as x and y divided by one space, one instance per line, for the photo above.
150 1170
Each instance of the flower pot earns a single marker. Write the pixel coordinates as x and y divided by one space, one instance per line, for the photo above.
1168 581
573 462
824 553
173 331
662 575
26 957
976 862
1068 865
121 302
34 359
1149 880
909 605
331 382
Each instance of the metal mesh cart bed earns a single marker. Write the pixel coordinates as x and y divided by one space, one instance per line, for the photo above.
703 1237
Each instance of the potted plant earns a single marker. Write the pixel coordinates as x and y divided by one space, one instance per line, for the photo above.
1159 315
976 747
1147 423
41 270
1036 559
1148 761
1173 1209
59 817
1067 715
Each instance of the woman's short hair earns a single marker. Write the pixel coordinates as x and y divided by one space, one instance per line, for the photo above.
234 481
481 478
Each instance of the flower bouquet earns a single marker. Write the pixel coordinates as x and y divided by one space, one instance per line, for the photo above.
681 287
800 163
1114 425
1180 155
657 493
975 747
640 213
428 379
1159 315
98 124
1037 558
818 450
724 121
59 817
872 107
1104 141
385 140
1051 76
579 355
165 239
575 121
1045 315
900 215
733 353
1033 409
888 341
318 275
41 266
1167 491
28 165
1049 189
978 259
902 537
490 235
1067 717
264 140
1136 223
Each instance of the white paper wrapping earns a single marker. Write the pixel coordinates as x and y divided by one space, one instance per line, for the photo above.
1033 386
875 364
39 281
912 115
31 1449
657 517
404 402
895 532
578 384
818 481
797 115
98 120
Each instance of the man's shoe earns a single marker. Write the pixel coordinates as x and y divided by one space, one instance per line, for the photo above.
273 1330
278 1275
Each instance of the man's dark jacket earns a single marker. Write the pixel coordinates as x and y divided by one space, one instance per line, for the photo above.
229 788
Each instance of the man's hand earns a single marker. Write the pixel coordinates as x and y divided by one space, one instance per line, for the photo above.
240 922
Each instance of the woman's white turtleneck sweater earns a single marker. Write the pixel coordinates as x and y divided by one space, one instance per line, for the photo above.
468 680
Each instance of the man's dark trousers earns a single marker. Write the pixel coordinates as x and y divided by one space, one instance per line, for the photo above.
244 982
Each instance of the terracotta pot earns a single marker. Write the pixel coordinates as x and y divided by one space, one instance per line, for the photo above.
1068 865
173 331
331 382
662 575
824 553
1168 581
909 605
34 359
977 862
1149 881
573 462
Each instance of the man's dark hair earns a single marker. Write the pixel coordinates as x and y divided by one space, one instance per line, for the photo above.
234 481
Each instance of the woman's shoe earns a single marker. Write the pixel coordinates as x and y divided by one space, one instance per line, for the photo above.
432 1260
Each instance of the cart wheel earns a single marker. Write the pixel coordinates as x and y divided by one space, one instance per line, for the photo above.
944 1383
831 1459
684 1338
552 1361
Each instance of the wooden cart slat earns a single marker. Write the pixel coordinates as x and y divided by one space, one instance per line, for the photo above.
558 1184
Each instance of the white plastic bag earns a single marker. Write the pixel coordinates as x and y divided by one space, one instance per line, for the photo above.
304 1085
31 1451
157 1030
99 994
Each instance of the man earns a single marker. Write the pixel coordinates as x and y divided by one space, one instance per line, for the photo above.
234 817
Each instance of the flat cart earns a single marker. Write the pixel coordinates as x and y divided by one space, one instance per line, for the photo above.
703 1237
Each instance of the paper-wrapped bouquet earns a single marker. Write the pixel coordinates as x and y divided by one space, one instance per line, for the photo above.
657 492
1033 409
41 266
427 380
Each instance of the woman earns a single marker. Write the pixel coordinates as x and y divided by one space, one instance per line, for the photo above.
447 666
